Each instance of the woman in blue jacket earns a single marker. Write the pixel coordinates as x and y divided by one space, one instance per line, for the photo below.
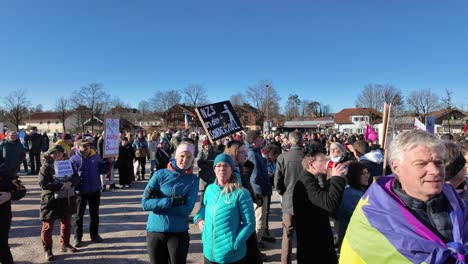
226 217
170 197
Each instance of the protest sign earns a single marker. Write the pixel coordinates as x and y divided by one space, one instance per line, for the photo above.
111 136
63 168
219 120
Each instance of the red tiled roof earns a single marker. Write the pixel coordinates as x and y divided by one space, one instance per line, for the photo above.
344 116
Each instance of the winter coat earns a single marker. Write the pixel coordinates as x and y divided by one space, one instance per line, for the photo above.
205 165
45 143
259 178
229 222
34 142
141 148
162 158
51 207
158 199
351 197
125 164
288 168
312 207
89 168
12 154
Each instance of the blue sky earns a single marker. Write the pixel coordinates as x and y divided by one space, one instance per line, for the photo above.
321 50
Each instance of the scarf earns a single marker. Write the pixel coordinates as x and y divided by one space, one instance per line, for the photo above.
172 166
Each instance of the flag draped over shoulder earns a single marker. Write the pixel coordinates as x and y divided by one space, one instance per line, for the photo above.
382 230
370 134
186 121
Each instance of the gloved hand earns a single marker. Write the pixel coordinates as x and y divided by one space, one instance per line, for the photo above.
178 200
259 200
150 193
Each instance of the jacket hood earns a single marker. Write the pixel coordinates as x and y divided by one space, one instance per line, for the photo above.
375 156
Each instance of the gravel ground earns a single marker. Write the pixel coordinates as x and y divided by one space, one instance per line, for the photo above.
122 226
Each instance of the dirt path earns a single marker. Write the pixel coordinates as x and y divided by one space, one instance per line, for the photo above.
122 225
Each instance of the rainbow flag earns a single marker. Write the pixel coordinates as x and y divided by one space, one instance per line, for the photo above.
186 121
382 230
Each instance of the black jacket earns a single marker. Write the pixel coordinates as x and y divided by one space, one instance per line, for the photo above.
313 206
34 142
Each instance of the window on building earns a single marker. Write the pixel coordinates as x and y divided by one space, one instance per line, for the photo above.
56 122
40 122
355 119
246 119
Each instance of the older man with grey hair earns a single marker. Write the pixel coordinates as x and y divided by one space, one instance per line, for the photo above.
413 217
288 168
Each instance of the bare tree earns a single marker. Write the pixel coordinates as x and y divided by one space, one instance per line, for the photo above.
447 99
144 107
195 95
37 109
265 98
291 109
237 99
62 106
16 107
163 100
94 98
423 102
375 95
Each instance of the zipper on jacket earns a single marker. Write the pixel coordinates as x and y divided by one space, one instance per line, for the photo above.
213 226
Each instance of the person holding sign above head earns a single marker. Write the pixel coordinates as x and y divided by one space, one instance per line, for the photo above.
57 179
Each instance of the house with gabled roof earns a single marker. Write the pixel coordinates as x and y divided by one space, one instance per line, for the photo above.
51 122
452 119
354 120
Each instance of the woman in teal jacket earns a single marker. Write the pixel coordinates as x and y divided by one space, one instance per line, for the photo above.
226 217
170 197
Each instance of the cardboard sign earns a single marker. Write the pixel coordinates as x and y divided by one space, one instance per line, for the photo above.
219 120
63 168
111 137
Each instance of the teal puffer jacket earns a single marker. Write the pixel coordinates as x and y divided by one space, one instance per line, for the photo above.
229 221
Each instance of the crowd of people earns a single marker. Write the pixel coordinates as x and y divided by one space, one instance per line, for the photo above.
412 210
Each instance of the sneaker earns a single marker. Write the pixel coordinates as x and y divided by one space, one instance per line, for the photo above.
78 242
96 239
68 248
48 255
113 186
104 188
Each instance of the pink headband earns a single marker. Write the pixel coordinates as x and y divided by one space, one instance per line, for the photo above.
184 147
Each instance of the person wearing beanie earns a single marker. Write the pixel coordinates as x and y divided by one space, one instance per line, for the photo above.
58 199
169 197
205 165
227 206
455 171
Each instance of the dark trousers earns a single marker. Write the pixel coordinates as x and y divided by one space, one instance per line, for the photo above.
48 229
289 226
141 165
242 261
35 159
5 224
253 254
168 247
93 199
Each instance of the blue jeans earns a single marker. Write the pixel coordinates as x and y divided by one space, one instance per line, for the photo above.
153 165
